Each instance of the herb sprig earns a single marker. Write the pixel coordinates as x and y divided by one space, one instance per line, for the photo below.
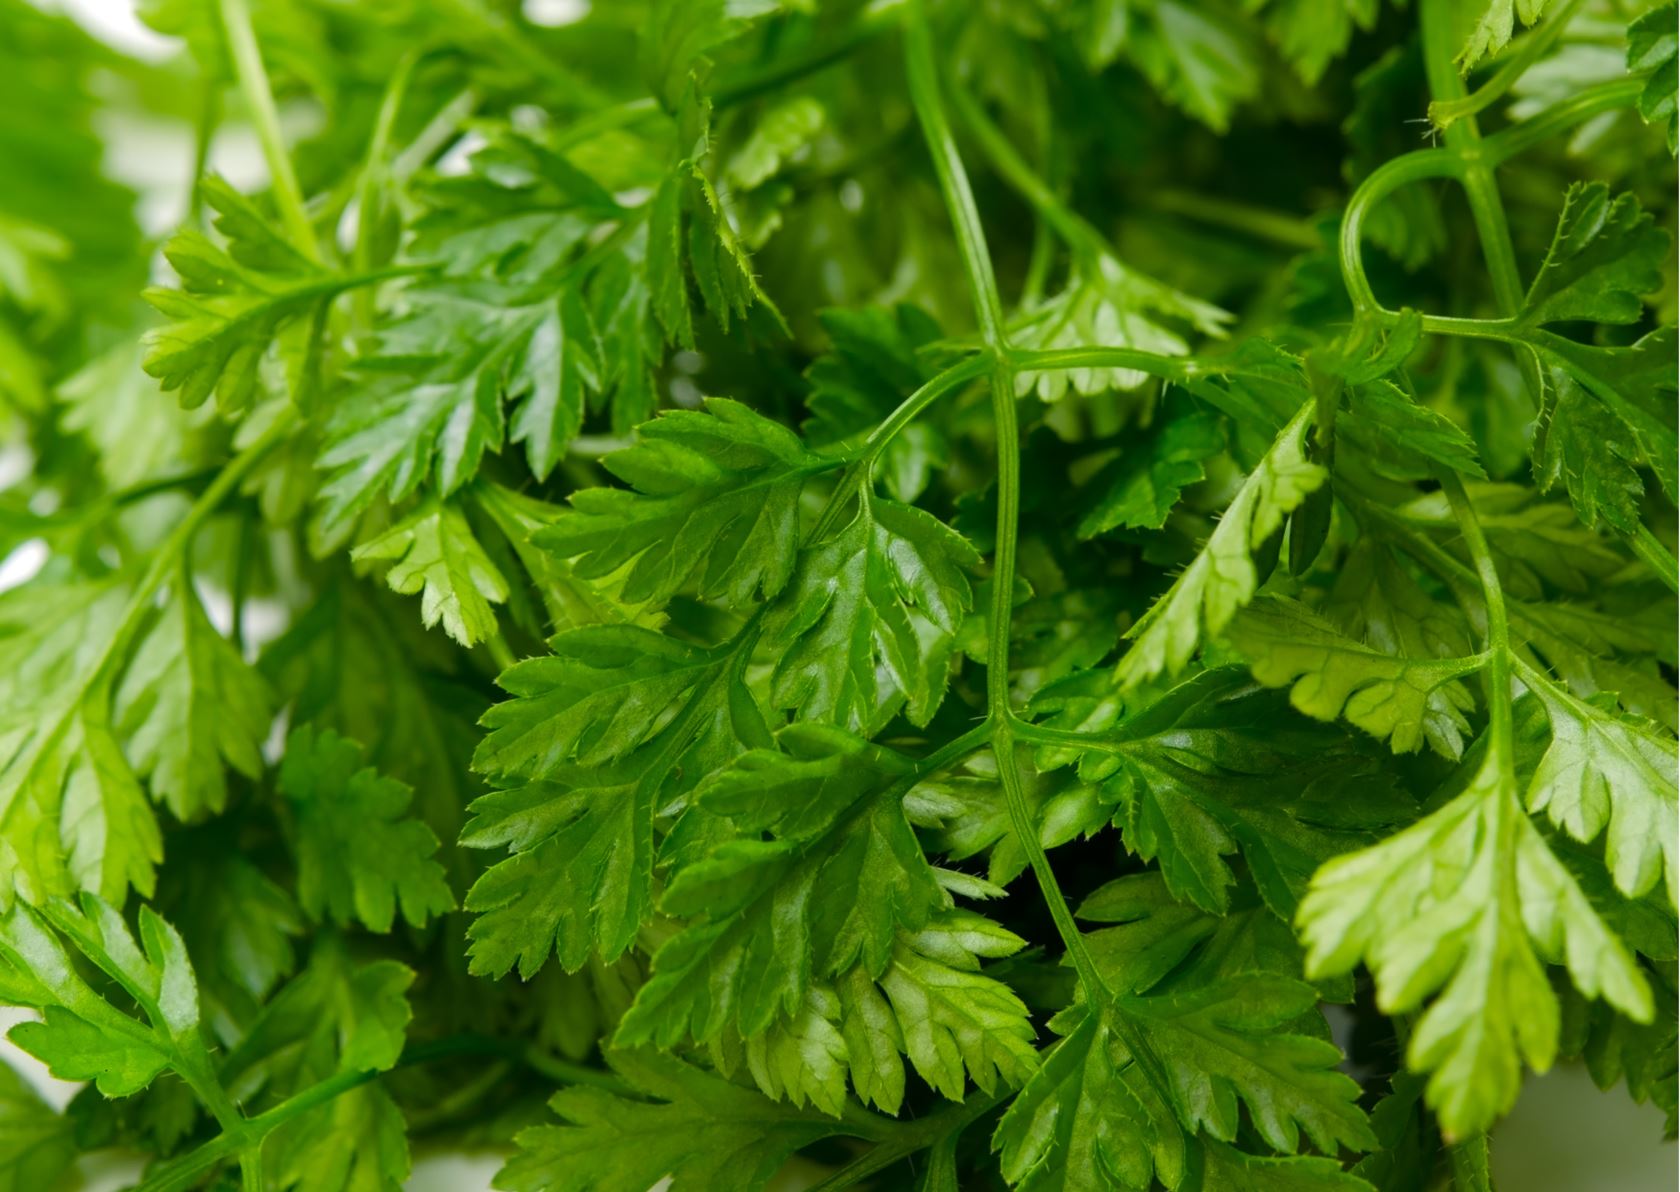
847 457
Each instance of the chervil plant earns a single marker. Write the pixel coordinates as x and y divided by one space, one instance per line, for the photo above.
938 587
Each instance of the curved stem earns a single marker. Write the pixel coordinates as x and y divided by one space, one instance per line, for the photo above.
1378 185
253 85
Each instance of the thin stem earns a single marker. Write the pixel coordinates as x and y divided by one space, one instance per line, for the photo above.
1443 113
1493 598
1069 224
374 175
983 291
1464 141
500 652
1168 368
1583 105
204 132
936 387
825 52
1656 556
253 85
953 181
910 1138
1382 182
1287 230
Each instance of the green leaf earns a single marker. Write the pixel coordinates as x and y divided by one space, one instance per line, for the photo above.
1312 33
1107 302
137 432
1403 437
1605 254
686 1124
1468 904
433 552
334 1017
1201 60
393 437
1096 1115
1223 578
1404 701
687 225
779 138
1593 453
360 855
869 625
767 915
239 923
1494 22
233 304
949 1017
1211 768
81 1036
715 508
569 600
190 709
1140 488
1652 46
72 814
1604 770
613 725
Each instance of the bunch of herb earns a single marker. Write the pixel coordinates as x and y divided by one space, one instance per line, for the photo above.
917 584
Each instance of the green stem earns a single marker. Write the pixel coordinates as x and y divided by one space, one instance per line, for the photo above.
1275 226
163 563
910 1138
204 132
1656 556
374 175
1464 141
1168 368
953 182
948 381
1069 224
826 51
730 92
1443 113
253 85
1382 182
1583 105
1500 716
500 652
971 240
247 1137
